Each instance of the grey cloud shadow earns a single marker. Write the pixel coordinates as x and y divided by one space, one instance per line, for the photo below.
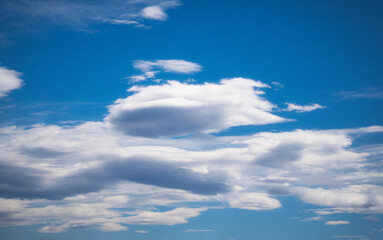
20 182
281 156
143 171
28 183
154 122
40 152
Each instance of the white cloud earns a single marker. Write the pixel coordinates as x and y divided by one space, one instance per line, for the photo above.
172 217
353 198
254 201
278 85
303 108
198 230
9 80
333 223
140 231
143 77
121 21
175 66
81 14
50 162
172 65
84 176
368 93
154 12
177 108
309 219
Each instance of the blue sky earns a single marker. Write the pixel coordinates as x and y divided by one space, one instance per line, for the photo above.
203 119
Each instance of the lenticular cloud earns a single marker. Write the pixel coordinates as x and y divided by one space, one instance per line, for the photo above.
175 108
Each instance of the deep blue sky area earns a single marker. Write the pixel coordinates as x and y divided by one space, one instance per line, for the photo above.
74 62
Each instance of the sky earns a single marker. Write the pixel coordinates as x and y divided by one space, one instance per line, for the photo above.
191 119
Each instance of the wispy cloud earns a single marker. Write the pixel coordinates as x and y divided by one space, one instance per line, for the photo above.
198 230
81 14
310 219
303 108
173 65
362 93
352 237
151 68
333 223
372 218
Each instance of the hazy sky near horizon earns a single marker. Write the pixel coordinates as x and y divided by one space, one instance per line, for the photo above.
192 119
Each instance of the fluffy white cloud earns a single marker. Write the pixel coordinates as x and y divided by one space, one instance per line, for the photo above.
177 109
353 198
9 80
85 176
333 223
154 12
96 174
303 108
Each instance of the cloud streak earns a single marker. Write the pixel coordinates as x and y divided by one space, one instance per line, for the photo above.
81 14
334 223
292 107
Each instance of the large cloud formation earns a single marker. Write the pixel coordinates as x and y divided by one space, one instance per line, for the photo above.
110 174
177 109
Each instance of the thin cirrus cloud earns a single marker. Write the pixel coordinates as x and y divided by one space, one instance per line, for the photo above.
9 80
334 223
352 237
80 15
367 93
292 107
198 230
